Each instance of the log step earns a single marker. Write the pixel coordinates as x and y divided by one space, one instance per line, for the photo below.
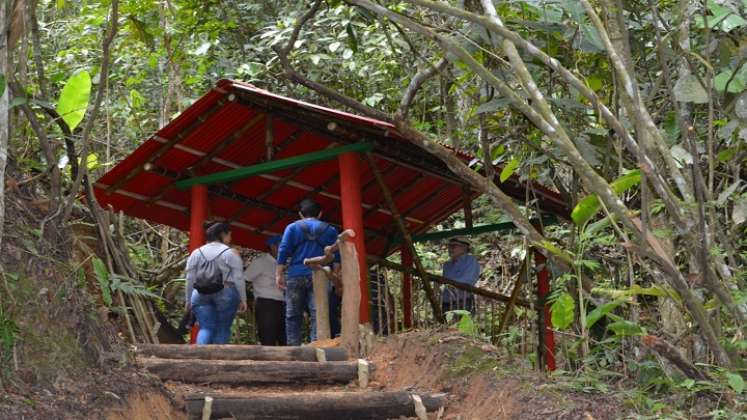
238 352
313 405
251 372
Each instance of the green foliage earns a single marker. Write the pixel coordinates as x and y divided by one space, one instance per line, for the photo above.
626 328
589 205
509 169
466 324
600 311
736 382
562 311
102 275
131 287
73 99
8 333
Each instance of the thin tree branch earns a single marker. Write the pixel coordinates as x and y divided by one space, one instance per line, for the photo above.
417 81
85 137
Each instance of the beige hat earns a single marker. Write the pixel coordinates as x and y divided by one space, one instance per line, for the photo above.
461 240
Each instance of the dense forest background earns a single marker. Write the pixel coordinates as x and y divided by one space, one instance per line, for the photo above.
636 112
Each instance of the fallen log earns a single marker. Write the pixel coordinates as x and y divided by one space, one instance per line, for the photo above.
239 352
674 356
313 405
251 372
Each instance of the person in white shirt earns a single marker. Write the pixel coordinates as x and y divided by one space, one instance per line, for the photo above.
269 302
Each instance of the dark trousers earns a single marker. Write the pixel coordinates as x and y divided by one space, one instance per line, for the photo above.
270 316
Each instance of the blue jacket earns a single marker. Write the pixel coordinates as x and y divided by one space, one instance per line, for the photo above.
465 270
295 247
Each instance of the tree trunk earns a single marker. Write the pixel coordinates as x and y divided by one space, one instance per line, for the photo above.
4 107
251 372
314 405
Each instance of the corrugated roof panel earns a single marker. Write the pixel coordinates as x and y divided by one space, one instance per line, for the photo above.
216 118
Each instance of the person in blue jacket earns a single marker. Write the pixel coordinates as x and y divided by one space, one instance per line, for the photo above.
463 268
304 238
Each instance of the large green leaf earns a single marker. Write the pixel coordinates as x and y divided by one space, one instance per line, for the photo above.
736 382
74 99
562 311
600 311
626 328
589 205
509 169
736 80
102 275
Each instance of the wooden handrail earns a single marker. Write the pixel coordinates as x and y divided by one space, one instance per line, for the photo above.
447 281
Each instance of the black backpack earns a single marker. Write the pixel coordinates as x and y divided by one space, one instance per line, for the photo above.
208 275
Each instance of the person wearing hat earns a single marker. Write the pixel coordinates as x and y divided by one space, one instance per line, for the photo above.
269 302
462 267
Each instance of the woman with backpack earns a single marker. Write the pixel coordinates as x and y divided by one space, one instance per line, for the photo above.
215 285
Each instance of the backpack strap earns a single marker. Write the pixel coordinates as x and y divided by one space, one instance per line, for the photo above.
310 236
217 256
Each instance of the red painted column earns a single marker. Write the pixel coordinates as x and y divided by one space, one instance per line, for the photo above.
406 258
352 218
197 216
543 289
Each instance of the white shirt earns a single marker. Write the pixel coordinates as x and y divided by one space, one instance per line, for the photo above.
261 272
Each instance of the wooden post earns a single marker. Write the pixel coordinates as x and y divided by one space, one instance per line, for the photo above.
430 293
197 216
352 218
351 294
321 300
547 338
520 279
406 258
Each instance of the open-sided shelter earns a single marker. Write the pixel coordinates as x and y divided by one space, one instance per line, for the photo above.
247 156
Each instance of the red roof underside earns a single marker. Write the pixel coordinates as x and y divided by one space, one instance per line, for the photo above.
425 191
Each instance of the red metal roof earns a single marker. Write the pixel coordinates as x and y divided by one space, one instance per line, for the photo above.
226 129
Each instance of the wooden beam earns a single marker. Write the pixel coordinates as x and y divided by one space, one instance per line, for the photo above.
179 208
315 405
447 281
429 292
227 193
238 352
166 146
269 134
294 184
222 145
272 166
250 372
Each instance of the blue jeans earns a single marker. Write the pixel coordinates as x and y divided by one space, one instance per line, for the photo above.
299 298
215 313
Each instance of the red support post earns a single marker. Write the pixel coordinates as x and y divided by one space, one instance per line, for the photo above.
406 258
352 218
197 216
543 289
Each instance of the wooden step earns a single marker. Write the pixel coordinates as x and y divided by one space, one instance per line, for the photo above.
313 405
238 352
250 372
